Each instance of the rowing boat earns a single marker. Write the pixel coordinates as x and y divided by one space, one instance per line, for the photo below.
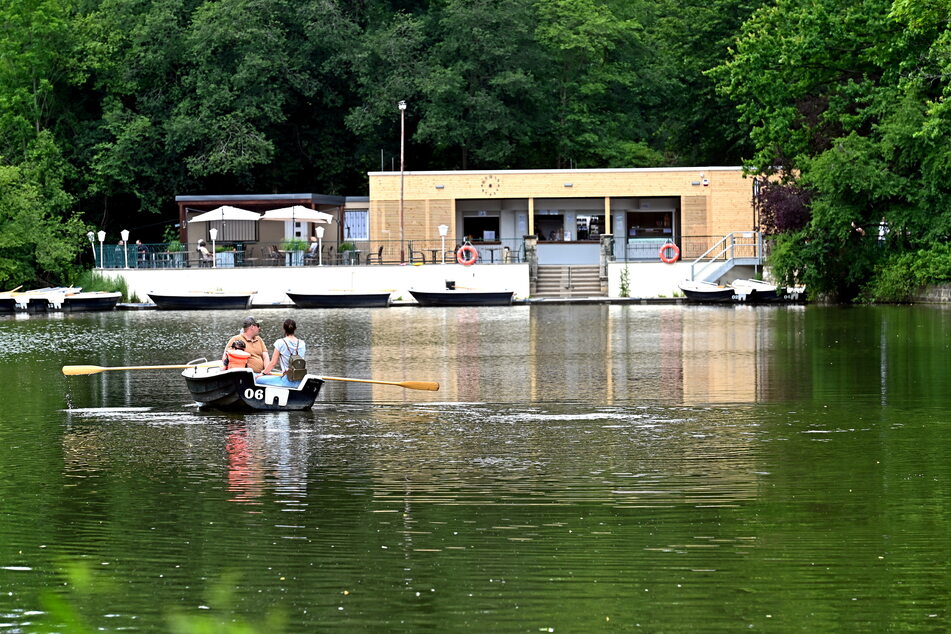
236 390
462 297
196 300
340 299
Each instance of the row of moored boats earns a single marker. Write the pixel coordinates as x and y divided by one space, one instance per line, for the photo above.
740 291
333 299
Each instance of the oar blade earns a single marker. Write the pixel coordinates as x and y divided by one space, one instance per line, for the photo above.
432 386
77 370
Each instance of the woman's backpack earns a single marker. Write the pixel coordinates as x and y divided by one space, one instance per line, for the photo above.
296 366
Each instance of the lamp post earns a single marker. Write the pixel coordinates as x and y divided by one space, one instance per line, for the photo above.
402 106
125 245
92 243
443 230
102 238
213 234
320 245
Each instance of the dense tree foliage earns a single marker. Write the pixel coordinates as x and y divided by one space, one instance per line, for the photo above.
847 101
841 106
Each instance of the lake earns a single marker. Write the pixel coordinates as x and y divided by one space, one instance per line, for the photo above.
583 468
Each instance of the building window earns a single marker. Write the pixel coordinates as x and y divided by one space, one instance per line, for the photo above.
481 228
656 224
590 227
356 224
550 227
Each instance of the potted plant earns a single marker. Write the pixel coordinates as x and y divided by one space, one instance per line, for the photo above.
296 246
224 256
344 251
174 248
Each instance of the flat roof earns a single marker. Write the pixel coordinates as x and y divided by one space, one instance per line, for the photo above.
319 199
615 170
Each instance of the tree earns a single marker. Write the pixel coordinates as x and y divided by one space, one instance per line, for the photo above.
840 99
480 94
40 236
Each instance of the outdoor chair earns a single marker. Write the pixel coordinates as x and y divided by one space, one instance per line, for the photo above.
273 256
378 256
414 255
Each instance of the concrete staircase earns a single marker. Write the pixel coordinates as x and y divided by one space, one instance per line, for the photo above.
568 281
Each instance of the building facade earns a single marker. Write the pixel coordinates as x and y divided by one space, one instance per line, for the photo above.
569 210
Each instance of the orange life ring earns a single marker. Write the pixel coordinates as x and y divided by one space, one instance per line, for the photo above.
672 258
467 255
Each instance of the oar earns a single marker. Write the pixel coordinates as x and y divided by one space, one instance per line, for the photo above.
75 370
432 386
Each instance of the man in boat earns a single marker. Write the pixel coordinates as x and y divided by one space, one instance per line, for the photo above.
253 345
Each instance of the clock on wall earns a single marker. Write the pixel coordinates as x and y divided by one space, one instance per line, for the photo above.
491 185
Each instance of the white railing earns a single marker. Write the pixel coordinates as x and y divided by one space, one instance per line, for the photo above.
739 247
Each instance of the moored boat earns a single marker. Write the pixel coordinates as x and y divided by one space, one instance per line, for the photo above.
463 297
91 301
754 291
340 299
708 292
198 300
8 304
235 390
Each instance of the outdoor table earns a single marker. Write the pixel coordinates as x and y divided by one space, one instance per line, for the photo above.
293 258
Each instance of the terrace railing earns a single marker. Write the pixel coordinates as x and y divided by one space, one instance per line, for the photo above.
255 254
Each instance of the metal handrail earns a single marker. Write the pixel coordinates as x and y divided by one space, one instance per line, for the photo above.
730 244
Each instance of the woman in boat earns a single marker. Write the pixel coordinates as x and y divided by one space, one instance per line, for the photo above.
286 346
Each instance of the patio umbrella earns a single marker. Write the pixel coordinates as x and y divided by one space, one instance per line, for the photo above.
226 212
297 213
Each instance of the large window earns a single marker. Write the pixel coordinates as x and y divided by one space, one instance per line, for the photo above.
356 225
481 228
653 224
550 227
590 227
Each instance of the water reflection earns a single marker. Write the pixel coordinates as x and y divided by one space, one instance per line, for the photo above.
647 464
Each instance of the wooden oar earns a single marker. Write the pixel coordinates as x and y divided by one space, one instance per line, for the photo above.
75 370
432 386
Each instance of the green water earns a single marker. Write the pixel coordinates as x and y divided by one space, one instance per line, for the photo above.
584 468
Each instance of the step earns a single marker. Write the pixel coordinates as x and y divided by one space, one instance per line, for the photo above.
553 281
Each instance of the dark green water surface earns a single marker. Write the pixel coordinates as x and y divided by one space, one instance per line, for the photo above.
584 468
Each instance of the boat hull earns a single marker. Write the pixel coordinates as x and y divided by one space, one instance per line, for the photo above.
461 297
199 301
236 391
81 302
8 304
756 292
340 300
707 293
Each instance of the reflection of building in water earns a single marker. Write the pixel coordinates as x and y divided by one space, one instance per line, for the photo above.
600 353
723 352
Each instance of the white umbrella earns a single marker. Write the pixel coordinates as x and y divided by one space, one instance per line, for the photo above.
297 213
226 212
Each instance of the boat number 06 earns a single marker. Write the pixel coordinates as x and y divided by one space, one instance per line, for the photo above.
257 394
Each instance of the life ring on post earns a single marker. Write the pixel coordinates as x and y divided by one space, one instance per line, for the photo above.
669 259
467 255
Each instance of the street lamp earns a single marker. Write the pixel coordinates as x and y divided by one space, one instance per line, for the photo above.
125 245
320 245
443 230
92 243
402 106
213 234
102 238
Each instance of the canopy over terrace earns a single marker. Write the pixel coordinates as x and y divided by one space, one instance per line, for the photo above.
250 232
